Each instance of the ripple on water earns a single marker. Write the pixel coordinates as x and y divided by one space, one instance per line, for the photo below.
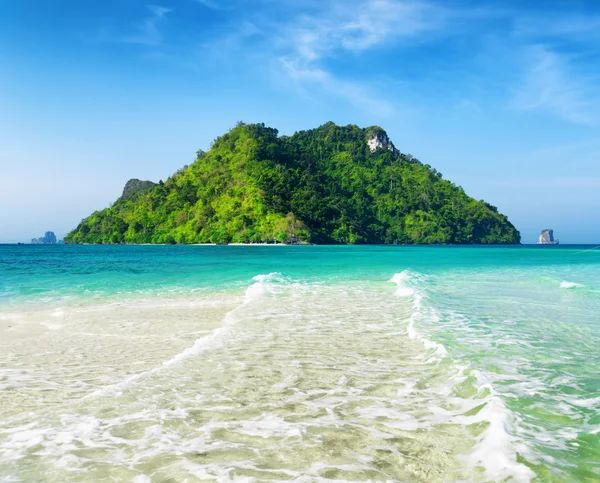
307 381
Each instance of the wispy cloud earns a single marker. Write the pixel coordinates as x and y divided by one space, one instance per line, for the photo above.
358 25
309 40
549 85
355 93
238 38
147 31
212 4
353 26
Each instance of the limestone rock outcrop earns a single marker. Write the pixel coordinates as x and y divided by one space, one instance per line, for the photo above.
547 237
378 139
48 239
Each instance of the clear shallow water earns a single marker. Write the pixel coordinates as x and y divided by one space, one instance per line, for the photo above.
201 363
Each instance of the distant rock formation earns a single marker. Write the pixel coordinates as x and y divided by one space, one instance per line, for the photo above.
135 186
48 239
547 237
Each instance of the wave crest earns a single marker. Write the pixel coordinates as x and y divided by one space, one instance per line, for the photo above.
570 285
206 342
494 449
401 279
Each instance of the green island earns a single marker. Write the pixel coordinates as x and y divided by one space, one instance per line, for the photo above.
330 185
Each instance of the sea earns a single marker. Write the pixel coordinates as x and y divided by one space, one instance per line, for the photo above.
299 363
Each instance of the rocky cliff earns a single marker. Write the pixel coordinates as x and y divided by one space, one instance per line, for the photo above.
547 237
378 139
48 239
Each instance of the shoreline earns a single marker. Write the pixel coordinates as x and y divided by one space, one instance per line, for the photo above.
480 245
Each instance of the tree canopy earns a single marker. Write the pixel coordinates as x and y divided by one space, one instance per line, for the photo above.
323 185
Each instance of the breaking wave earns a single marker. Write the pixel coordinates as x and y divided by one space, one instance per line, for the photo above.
570 285
494 449
201 344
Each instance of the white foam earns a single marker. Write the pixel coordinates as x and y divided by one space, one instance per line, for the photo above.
21 439
261 287
438 349
286 383
269 426
210 341
400 280
410 330
180 422
584 403
58 313
569 285
11 316
201 344
494 450
403 280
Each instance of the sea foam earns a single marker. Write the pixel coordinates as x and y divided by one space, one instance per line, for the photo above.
494 450
570 285
401 279
201 344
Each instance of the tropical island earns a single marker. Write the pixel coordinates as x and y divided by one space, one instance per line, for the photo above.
330 185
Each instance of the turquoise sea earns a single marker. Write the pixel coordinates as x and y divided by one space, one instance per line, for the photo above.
299 363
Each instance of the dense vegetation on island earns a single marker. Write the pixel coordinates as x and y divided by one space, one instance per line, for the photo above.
327 185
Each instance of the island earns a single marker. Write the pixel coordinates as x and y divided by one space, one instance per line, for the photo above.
49 238
329 185
547 237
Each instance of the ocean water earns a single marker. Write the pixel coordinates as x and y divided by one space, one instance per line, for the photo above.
315 363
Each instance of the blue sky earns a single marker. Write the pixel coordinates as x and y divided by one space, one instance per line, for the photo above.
500 96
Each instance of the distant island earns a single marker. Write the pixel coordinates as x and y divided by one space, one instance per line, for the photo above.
330 185
547 237
48 239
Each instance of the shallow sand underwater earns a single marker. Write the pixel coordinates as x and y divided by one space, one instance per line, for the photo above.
299 364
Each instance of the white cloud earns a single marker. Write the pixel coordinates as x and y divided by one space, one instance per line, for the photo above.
147 31
356 94
353 26
212 4
359 25
550 85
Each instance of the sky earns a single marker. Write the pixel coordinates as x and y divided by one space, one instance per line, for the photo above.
499 96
